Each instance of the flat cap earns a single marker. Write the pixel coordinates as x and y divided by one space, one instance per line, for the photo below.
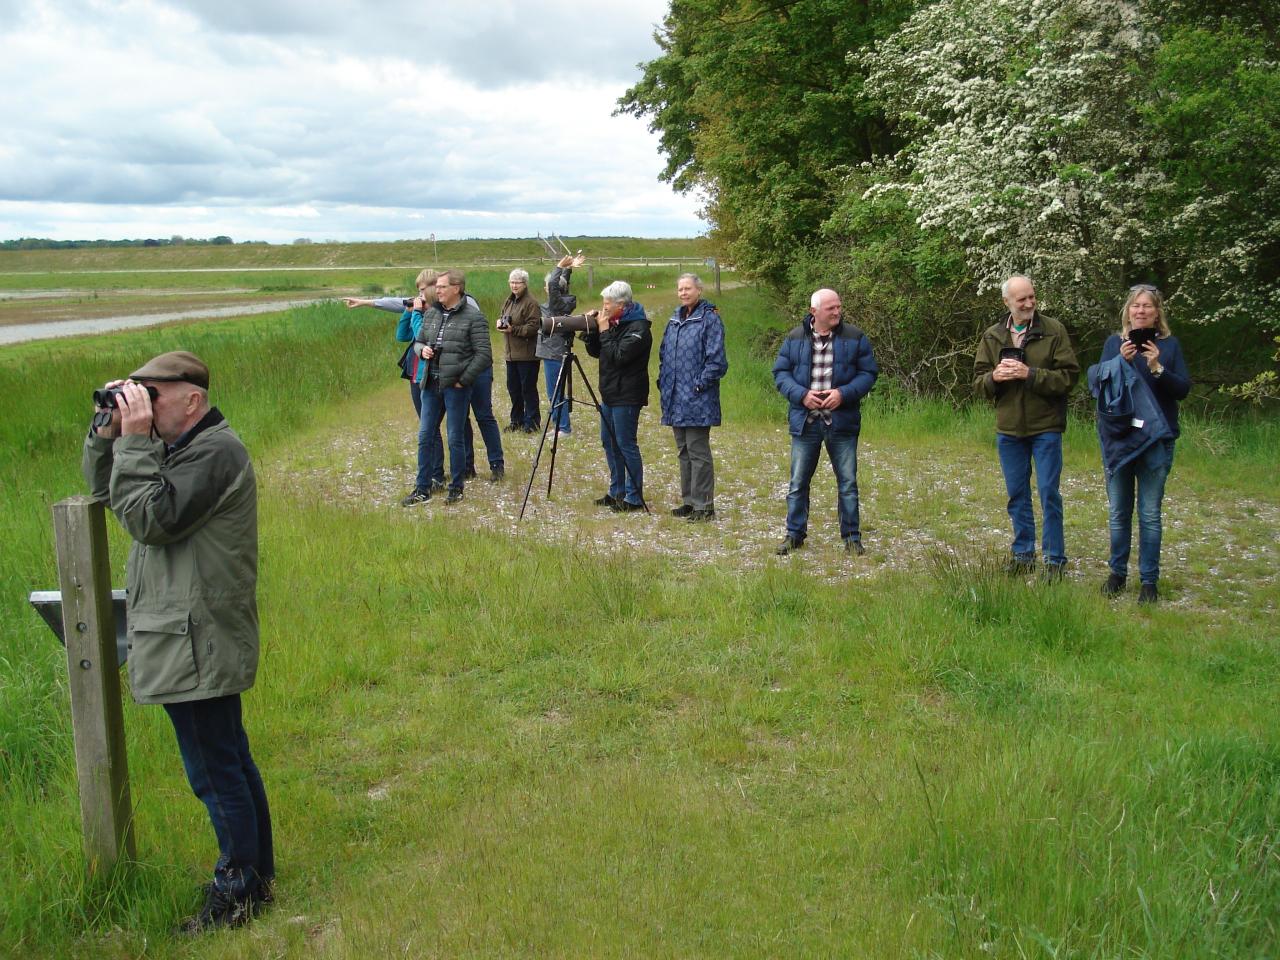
177 365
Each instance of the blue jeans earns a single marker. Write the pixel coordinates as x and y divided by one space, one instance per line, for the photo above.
482 410
1016 456
522 388
626 472
449 404
222 774
430 453
1148 472
842 449
559 412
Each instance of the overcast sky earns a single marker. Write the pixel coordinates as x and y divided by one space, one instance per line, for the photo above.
328 119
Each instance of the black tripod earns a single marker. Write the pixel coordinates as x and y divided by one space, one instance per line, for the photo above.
561 394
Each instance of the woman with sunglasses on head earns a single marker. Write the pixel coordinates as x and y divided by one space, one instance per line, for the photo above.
1145 342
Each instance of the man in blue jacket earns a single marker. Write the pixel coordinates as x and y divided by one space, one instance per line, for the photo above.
824 368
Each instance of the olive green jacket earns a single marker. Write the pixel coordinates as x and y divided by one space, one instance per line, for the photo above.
1038 404
525 318
192 572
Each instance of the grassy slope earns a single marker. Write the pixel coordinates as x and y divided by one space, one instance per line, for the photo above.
401 253
480 742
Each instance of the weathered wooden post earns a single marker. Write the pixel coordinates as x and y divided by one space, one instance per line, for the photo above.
97 718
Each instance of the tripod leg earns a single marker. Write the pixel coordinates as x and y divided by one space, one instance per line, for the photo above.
556 392
563 392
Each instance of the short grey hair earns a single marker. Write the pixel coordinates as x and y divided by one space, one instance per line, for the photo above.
697 282
518 274
618 292
815 301
1004 287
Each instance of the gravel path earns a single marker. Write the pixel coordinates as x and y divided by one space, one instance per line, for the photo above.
912 506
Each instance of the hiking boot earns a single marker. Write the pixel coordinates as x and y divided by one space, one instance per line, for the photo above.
469 473
417 496
1147 593
605 501
455 496
683 510
702 516
436 486
496 474
1113 586
1020 564
854 545
626 506
264 895
788 544
220 909
1053 572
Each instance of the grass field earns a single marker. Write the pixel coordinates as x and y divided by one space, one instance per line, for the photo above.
51 285
596 735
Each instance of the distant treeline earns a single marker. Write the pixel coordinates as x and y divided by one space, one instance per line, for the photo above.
37 243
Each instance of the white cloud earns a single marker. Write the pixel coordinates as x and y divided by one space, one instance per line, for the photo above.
347 119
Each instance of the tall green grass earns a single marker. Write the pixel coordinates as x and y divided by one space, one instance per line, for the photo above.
480 744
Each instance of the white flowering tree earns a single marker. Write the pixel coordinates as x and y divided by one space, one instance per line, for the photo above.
1071 140
1022 119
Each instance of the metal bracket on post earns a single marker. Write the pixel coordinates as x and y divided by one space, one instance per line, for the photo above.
97 717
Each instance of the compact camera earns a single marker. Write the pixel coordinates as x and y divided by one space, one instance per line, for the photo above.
1013 353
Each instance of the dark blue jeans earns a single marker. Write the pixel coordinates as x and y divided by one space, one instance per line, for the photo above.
449 404
482 410
222 774
431 453
559 412
522 387
622 451
1016 457
1148 473
842 450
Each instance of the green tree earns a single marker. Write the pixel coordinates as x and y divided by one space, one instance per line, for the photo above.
757 109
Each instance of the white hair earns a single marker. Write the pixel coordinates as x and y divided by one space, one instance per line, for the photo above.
518 274
816 300
618 292
1004 287
690 276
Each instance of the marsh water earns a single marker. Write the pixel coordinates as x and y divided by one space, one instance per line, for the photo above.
20 332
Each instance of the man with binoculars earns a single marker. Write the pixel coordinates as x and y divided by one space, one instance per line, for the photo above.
181 484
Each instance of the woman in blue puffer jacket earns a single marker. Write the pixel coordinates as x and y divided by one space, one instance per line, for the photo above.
691 361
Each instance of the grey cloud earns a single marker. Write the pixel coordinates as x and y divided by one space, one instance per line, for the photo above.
487 47
259 120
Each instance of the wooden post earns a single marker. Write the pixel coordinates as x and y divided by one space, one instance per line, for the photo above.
97 718
591 279
717 278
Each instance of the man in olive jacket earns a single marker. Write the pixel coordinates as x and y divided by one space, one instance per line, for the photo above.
1026 365
453 343
181 484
